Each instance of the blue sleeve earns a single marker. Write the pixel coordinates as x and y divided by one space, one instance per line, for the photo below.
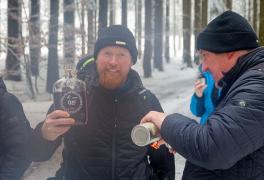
197 105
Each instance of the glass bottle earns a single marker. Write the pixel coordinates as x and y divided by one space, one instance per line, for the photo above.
69 94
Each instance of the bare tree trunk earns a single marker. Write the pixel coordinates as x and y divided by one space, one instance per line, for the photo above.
204 13
249 12
255 15
139 26
228 4
13 70
187 32
96 23
167 35
53 67
136 20
91 5
174 27
34 38
197 25
244 9
158 35
112 12
25 57
261 24
83 35
103 8
148 36
124 12
69 31
27 68
0 30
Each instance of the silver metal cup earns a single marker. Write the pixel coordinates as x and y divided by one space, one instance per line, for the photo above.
145 134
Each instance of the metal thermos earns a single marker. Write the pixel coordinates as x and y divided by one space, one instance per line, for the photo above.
145 134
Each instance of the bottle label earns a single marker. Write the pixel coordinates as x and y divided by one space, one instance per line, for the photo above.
71 102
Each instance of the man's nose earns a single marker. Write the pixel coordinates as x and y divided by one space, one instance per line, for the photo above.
113 59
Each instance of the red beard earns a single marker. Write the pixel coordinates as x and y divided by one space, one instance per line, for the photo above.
111 81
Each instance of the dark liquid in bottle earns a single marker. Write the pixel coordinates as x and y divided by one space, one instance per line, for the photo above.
74 102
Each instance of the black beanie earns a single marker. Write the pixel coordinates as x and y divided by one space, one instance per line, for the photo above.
116 35
227 32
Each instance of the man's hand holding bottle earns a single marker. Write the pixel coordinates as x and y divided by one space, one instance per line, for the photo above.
56 124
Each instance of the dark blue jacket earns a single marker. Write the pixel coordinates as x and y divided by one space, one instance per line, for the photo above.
103 150
231 144
204 106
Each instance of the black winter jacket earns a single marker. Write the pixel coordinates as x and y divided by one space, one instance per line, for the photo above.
231 145
103 150
14 136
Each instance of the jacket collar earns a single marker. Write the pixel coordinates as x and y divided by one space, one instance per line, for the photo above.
244 63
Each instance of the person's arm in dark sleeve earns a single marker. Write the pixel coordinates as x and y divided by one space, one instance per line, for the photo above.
15 133
162 163
43 149
232 132
197 105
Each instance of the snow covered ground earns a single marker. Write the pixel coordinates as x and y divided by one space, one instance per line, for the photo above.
173 87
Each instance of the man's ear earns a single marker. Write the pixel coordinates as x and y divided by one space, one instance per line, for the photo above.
230 55
131 63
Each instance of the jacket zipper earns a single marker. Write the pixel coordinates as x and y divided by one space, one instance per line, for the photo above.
114 141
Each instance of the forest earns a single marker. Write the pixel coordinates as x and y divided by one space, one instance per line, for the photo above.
39 37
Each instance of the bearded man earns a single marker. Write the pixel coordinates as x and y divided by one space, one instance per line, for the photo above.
103 149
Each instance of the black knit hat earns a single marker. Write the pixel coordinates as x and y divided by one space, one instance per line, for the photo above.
116 35
227 32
